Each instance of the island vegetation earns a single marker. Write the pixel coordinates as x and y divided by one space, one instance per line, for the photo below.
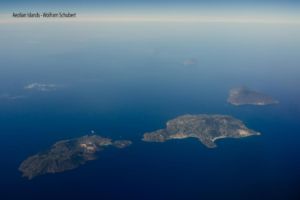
67 155
206 128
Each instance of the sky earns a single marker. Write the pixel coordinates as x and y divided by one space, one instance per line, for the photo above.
151 3
278 10
155 1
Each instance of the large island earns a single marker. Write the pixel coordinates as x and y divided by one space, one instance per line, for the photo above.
206 128
67 154
245 96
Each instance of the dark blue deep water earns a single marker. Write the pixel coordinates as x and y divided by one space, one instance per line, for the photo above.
122 80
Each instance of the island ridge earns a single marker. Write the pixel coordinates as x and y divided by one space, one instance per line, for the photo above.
206 128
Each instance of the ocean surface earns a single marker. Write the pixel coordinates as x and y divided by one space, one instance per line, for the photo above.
124 79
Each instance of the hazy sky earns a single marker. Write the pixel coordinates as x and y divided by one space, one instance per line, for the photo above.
278 10
152 3
157 1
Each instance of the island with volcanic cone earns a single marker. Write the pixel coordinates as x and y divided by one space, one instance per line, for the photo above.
206 128
245 96
67 155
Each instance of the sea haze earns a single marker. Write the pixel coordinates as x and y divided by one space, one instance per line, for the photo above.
124 79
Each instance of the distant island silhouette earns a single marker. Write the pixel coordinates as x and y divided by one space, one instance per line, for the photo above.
245 96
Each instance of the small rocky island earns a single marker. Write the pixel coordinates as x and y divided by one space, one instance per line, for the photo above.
206 128
245 96
67 154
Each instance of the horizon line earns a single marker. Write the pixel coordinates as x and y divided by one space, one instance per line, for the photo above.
5 19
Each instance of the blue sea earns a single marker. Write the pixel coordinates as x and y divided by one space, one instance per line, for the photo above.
124 79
